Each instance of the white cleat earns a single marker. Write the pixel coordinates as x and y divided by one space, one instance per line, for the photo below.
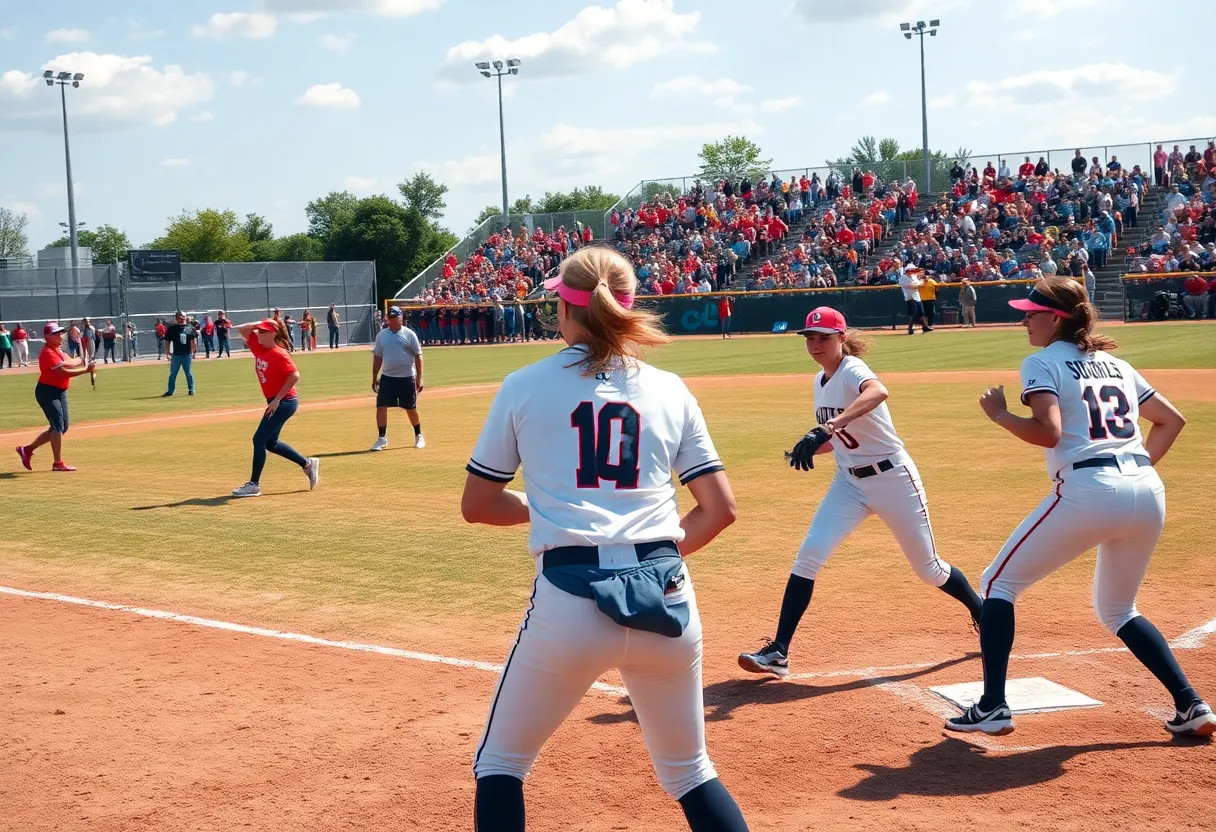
380 444
420 441
249 489
313 469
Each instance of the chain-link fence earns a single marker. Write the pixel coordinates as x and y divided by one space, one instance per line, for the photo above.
245 291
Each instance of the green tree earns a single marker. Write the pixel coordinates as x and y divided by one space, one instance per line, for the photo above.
885 158
523 205
206 236
256 229
298 248
733 158
326 213
13 242
107 243
425 195
590 198
380 229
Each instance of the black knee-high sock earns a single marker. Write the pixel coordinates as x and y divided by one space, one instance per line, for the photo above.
1148 645
499 806
793 605
382 430
710 808
996 642
418 429
957 587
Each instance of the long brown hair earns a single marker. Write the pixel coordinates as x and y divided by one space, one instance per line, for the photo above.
281 337
612 330
854 344
1078 327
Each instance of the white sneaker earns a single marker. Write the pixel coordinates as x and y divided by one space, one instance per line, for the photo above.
420 441
249 489
313 469
380 444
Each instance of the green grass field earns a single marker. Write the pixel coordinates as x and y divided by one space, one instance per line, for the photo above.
135 391
380 549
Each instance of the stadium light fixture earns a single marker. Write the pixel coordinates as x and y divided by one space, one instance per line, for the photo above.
921 30
511 67
63 79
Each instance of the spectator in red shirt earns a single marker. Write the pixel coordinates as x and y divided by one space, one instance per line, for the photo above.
270 343
1196 296
726 309
55 374
1026 170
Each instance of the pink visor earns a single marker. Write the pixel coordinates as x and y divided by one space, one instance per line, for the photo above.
580 297
1038 302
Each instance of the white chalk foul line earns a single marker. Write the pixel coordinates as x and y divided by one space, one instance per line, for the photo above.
1195 638
265 632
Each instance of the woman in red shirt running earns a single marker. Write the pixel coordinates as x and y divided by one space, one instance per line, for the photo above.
55 374
278 376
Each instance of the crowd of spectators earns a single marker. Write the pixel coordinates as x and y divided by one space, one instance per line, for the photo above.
703 240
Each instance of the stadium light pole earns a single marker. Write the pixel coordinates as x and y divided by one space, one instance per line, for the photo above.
63 79
511 67
920 30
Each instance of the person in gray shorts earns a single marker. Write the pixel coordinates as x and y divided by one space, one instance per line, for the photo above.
397 376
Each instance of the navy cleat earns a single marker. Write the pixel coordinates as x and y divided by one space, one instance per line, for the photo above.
998 721
1195 721
769 659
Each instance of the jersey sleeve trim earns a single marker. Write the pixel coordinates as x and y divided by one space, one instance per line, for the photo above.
711 467
1146 395
488 473
1039 389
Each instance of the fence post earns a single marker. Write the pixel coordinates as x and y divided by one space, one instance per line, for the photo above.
266 278
110 289
177 304
307 289
58 308
345 307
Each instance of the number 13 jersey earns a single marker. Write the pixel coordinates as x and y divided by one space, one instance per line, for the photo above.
597 451
867 439
1100 398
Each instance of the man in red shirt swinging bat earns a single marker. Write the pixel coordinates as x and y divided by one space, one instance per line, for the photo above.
55 374
278 376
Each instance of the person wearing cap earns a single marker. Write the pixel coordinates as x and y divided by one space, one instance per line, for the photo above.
966 304
909 283
269 340
874 475
56 372
21 345
181 343
397 376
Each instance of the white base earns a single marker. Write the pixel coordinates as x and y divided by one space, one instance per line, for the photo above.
1025 696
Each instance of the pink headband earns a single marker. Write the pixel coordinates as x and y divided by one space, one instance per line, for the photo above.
581 297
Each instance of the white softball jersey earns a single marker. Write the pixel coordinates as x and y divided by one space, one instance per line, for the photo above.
867 439
598 453
1114 501
1100 397
891 487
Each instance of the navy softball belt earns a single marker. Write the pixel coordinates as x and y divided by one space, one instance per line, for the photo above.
1111 462
590 555
872 470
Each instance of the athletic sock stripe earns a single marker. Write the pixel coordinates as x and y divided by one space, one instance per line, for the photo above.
506 667
1018 545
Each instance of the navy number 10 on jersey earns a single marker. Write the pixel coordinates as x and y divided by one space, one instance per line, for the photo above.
595 444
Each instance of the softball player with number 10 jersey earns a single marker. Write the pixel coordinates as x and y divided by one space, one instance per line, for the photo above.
599 433
1085 408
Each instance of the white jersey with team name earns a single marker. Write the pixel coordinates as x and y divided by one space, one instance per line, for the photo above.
597 451
865 440
1100 398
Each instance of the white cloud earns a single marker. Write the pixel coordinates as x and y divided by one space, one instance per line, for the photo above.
306 17
338 43
1041 9
6 33
27 208
597 38
238 77
885 11
583 148
204 116
118 91
67 36
49 189
876 98
780 105
307 9
237 25
1084 83
361 185
329 96
176 162
945 102
470 170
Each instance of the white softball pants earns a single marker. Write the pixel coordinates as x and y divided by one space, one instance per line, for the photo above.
1122 513
565 643
897 497
22 351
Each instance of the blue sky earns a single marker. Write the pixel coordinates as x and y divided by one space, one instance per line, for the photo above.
263 105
